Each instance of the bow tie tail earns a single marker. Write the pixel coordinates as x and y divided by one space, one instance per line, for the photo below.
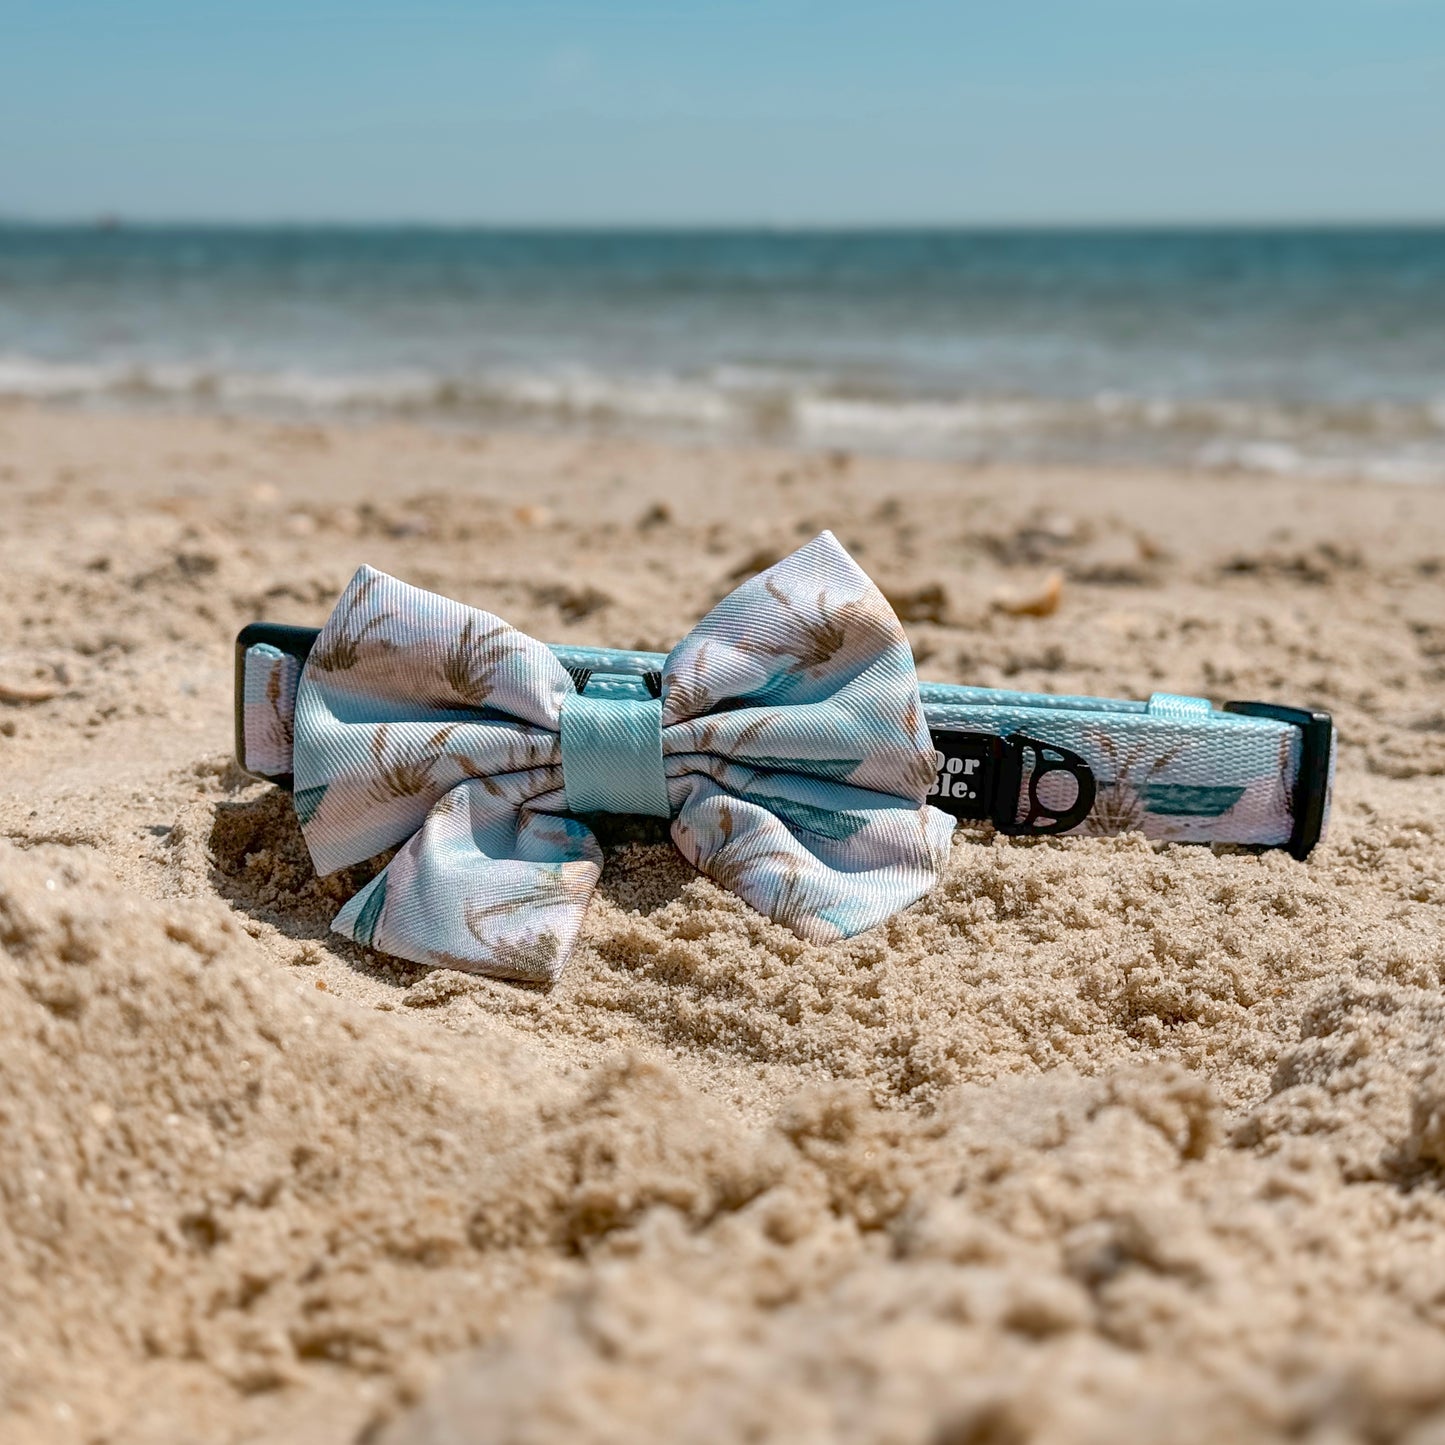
483 886
823 875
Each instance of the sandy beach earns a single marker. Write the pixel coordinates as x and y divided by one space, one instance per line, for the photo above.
1104 1140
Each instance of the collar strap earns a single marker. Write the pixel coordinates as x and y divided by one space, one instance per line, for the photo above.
1175 768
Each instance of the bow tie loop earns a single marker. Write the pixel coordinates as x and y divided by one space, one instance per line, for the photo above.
612 756
788 748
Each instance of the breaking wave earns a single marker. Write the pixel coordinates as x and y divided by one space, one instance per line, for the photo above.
1380 441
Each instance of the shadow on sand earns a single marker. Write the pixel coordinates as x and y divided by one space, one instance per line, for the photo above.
261 867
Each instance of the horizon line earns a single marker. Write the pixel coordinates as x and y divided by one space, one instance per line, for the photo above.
118 221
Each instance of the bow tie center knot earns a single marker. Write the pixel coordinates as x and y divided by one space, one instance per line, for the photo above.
612 756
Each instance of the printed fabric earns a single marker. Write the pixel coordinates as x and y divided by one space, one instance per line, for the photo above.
795 752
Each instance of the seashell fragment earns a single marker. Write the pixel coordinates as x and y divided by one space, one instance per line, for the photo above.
1043 603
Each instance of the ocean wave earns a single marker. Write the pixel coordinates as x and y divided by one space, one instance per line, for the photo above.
23 377
1385 441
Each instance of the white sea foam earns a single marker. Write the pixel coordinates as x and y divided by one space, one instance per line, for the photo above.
850 419
805 407
584 394
23 376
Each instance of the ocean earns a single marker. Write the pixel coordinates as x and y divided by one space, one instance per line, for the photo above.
1301 352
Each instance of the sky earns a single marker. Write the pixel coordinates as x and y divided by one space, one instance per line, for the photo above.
724 112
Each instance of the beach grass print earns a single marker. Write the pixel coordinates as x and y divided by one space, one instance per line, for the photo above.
504 928
742 740
549 887
922 769
1137 794
268 700
1121 804
510 771
729 863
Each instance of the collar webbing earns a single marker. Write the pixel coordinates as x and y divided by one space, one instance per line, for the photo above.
1175 768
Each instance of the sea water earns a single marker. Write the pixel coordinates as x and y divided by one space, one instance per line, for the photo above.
1314 352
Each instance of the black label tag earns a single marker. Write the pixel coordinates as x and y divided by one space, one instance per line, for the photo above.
967 773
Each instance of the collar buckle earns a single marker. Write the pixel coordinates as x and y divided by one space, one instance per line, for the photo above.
1311 803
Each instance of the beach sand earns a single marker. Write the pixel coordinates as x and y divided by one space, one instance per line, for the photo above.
1103 1141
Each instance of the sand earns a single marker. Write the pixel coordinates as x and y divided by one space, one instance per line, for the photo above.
1102 1141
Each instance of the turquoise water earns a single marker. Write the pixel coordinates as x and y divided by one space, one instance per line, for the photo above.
1310 352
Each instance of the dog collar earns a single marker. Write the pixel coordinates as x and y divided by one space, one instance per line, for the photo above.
1175 768
786 738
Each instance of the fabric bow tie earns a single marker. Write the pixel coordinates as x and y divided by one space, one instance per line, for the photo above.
788 746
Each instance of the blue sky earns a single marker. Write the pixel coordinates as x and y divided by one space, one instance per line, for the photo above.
700 111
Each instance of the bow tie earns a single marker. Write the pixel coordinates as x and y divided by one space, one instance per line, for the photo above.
786 742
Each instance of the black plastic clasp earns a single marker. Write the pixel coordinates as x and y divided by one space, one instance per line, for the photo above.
1311 801
980 776
296 642
1047 758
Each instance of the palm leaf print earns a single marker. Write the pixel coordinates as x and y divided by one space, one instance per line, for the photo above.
280 729
689 697
826 822
1187 800
524 752
532 959
472 661
341 651
813 642
369 916
729 864
307 801
408 772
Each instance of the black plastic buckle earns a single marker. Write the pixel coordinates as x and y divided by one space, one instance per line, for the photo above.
980 776
1312 786
296 642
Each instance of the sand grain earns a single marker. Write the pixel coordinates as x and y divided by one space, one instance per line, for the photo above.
1102 1141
